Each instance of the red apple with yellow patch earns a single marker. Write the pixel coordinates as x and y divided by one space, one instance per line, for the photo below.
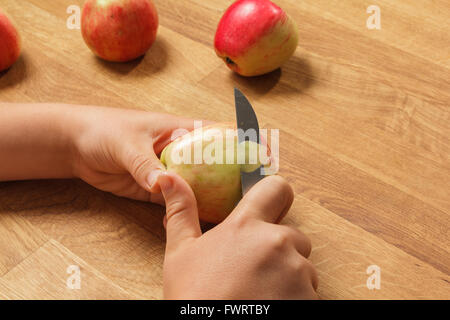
10 44
255 37
119 30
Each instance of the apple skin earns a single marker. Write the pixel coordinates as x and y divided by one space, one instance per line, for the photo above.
217 187
10 43
255 37
119 30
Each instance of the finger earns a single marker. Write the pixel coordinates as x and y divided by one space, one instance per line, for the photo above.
136 192
312 272
124 185
181 209
298 239
314 278
143 164
165 222
307 271
269 200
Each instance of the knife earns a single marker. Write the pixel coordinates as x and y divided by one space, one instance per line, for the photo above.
246 120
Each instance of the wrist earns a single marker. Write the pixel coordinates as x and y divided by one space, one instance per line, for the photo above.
74 125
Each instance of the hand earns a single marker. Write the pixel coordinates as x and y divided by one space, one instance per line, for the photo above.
247 256
117 150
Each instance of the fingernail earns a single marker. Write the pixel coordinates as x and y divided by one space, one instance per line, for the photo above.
153 178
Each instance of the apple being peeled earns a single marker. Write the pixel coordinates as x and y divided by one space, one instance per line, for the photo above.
10 44
255 37
119 30
207 158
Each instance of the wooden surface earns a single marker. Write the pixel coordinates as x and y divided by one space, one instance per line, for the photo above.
364 119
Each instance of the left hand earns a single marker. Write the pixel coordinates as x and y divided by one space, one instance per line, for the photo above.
117 150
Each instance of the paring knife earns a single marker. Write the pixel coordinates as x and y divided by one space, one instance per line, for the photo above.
246 120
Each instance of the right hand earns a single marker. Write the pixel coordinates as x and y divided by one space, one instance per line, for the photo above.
248 256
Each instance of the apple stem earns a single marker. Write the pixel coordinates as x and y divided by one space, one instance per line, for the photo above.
229 61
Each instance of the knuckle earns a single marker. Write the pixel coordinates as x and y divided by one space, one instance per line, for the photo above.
301 265
303 241
308 246
139 163
279 240
238 221
175 207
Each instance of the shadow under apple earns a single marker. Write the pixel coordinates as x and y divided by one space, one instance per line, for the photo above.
15 74
297 76
258 84
153 61
294 77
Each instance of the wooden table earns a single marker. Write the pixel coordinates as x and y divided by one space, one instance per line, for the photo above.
364 119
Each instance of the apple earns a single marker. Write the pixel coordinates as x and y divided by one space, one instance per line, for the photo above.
207 158
119 30
10 44
255 37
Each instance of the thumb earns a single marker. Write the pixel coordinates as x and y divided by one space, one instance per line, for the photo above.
181 209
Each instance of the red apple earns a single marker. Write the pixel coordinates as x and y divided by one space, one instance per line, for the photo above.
255 37
10 43
119 30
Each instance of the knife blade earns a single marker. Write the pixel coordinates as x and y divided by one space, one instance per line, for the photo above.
246 121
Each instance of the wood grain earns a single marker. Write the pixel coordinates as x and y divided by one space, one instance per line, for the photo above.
23 240
36 278
364 119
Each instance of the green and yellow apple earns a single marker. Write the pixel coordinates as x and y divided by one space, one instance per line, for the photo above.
208 159
255 37
10 44
119 30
